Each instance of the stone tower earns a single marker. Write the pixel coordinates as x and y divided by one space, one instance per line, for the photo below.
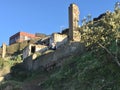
74 34
3 50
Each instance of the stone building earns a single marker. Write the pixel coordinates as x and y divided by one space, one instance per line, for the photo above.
58 39
45 44
32 48
74 34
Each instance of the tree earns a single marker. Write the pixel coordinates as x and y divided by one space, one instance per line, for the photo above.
102 33
117 6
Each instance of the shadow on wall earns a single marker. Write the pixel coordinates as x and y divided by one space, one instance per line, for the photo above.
66 50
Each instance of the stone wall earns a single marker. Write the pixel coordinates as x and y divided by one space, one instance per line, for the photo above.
58 39
74 12
37 48
49 59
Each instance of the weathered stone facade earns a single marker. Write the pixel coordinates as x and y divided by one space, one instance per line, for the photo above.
52 58
74 34
32 48
4 47
58 39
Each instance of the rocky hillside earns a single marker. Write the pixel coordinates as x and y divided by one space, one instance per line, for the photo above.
97 69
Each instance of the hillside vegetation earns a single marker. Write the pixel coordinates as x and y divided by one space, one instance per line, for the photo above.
97 69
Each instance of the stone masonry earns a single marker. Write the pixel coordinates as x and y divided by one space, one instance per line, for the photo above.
74 34
54 58
32 48
3 50
58 39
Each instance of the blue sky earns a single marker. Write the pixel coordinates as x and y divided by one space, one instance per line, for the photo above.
44 16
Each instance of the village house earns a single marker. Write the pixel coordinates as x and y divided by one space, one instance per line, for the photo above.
20 37
32 48
23 36
50 42
56 38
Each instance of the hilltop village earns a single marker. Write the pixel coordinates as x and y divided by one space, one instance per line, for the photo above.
40 50
83 57
44 42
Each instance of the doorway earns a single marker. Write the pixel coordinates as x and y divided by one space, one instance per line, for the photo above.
33 49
